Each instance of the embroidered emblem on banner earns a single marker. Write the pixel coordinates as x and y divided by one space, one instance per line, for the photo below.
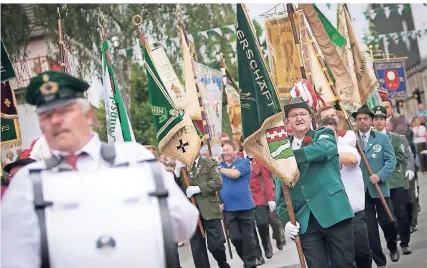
278 143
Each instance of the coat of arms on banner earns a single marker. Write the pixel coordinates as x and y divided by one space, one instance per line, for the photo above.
278 143
391 74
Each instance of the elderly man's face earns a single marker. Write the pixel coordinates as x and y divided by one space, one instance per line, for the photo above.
299 119
66 128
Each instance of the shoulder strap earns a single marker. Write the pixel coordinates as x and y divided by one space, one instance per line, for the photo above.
108 153
162 194
40 206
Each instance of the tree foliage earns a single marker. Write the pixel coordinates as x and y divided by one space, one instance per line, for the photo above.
80 25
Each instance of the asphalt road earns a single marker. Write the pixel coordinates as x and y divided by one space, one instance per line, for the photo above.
288 257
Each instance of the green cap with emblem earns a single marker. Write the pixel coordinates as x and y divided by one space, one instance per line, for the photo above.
51 89
296 102
380 111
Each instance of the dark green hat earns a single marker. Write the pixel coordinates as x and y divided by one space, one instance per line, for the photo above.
296 102
364 109
380 111
51 89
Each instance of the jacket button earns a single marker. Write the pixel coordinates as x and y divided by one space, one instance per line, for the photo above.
302 186
308 200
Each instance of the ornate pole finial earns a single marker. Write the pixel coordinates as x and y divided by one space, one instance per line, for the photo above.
101 21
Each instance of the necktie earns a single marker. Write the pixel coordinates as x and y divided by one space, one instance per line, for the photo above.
364 141
72 160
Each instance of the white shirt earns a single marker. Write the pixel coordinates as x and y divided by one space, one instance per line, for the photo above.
420 131
367 134
296 143
20 232
352 179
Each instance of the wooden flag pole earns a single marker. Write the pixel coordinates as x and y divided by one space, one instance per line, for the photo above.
285 189
363 155
61 43
204 118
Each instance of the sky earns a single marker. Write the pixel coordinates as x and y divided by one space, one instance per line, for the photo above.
360 23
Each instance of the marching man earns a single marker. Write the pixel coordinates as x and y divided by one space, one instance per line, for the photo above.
381 158
396 181
66 121
322 209
204 182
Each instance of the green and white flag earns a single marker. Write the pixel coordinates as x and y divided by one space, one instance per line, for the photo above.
119 128
175 132
262 118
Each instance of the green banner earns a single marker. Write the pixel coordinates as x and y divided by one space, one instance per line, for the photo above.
176 135
262 117
7 71
10 133
333 33
124 120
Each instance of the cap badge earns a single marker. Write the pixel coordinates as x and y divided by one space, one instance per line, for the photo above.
49 87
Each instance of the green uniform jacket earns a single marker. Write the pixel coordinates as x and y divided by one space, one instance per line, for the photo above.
319 189
206 176
397 178
380 155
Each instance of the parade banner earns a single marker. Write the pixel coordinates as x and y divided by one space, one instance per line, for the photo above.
169 78
391 75
210 85
233 109
328 39
10 131
115 132
262 117
175 133
284 54
193 108
355 57
7 71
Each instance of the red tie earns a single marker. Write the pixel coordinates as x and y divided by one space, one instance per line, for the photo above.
72 160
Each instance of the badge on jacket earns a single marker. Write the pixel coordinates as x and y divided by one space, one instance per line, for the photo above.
377 148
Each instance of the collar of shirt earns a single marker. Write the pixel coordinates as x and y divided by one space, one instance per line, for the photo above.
366 134
224 164
92 148
383 131
297 143
196 161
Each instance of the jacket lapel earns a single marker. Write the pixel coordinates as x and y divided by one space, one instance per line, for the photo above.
198 168
371 141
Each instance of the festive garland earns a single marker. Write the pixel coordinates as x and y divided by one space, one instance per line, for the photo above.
397 36
399 8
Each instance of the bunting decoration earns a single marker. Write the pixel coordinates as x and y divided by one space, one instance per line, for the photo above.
387 11
396 37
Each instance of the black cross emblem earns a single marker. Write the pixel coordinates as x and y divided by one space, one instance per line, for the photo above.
181 146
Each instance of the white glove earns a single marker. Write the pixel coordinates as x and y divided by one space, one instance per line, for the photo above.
291 230
410 174
192 190
178 166
272 205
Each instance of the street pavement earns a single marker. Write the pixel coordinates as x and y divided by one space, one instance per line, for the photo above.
288 257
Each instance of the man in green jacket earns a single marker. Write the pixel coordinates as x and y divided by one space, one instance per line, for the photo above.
204 182
396 182
380 155
323 212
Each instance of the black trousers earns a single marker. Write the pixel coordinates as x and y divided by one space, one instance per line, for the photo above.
399 199
261 220
241 226
363 254
276 226
215 239
374 207
328 247
413 200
